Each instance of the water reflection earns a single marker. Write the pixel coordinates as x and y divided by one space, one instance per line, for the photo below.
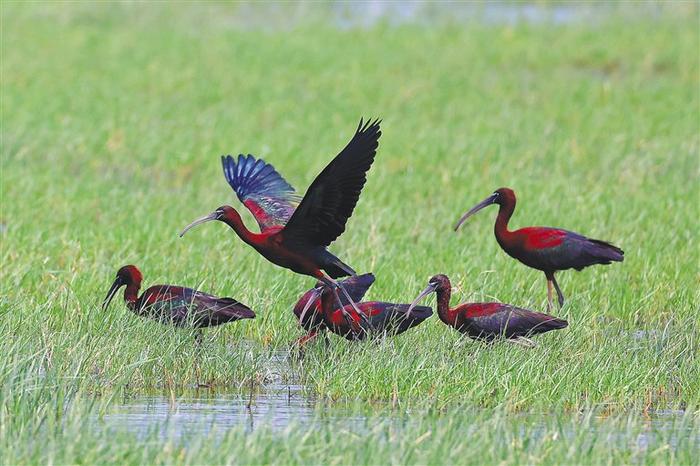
197 412
283 403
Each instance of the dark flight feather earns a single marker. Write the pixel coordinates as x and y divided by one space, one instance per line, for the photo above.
331 198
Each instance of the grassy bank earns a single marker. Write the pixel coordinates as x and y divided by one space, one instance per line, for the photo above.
113 120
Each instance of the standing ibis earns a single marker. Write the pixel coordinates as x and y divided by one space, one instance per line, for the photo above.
488 321
296 237
175 305
308 308
547 249
380 318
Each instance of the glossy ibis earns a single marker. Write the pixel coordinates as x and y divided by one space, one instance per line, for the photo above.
308 308
547 249
488 321
175 305
296 237
380 318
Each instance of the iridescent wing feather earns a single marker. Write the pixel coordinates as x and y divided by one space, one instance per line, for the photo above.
261 189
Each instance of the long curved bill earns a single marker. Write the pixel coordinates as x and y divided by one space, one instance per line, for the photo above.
485 203
112 291
316 293
208 218
429 289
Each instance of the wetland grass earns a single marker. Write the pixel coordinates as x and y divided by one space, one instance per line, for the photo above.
113 122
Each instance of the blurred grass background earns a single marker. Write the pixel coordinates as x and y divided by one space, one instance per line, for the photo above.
114 116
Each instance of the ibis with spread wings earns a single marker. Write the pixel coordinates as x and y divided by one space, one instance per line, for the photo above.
294 231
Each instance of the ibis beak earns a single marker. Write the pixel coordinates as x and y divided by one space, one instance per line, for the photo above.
429 289
485 203
118 283
316 293
208 218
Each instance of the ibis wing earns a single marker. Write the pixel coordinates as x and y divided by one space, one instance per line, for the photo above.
511 321
167 303
357 286
523 322
261 189
180 305
331 198
558 249
217 310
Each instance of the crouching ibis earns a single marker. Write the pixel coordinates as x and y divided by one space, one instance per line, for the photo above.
308 308
175 305
377 318
488 321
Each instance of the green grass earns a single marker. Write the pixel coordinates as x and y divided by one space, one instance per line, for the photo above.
113 119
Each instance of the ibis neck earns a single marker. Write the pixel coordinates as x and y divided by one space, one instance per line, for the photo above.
443 304
327 304
236 224
131 294
505 211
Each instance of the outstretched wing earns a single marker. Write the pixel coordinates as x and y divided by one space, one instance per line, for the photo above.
331 198
261 189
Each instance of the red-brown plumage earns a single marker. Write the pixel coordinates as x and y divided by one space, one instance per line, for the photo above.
308 309
474 310
487 321
547 249
257 211
175 305
380 318
541 238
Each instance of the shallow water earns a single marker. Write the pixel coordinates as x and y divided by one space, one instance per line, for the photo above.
199 412
369 13
281 403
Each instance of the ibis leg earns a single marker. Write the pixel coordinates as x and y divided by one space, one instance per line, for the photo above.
335 285
303 340
560 295
348 317
549 294
352 303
